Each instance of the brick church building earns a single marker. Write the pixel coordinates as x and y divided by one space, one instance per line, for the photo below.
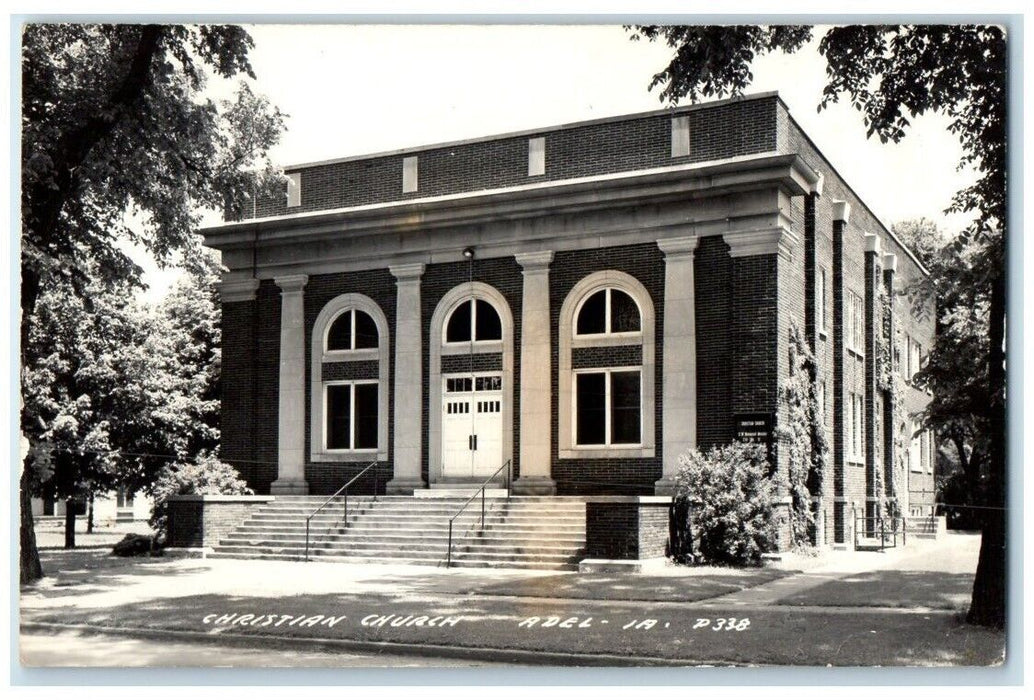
586 302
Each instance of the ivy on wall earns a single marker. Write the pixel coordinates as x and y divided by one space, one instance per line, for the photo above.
803 437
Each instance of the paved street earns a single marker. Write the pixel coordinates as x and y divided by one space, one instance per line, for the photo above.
843 609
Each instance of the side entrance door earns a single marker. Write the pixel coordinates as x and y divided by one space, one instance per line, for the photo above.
472 425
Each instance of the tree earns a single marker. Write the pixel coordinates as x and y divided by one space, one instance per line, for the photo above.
118 390
891 73
955 371
114 122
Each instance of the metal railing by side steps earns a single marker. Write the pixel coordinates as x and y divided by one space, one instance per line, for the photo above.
339 492
481 489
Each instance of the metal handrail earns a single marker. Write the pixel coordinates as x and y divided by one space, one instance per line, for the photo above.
344 488
481 489
880 529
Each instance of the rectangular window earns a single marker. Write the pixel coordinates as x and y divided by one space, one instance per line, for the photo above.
821 403
352 416
915 456
820 301
608 408
854 328
856 428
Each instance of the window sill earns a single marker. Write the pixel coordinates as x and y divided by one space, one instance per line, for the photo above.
351 355
350 456
607 452
475 347
603 341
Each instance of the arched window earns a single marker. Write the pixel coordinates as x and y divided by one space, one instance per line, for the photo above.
349 388
608 311
473 320
606 369
352 329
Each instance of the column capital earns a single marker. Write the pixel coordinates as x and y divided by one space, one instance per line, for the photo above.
409 271
872 244
769 241
816 187
890 262
535 262
292 283
238 290
841 211
681 245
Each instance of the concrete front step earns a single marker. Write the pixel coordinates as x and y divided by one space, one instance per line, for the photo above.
529 532
410 561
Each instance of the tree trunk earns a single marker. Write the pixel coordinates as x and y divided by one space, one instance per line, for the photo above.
29 564
89 516
69 523
989 587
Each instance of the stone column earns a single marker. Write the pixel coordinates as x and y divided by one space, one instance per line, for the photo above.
409 394
536 449
291 435
679 373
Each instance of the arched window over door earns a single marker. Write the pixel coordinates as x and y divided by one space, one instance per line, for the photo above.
470 393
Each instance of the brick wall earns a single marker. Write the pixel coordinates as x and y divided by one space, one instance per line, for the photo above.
325 478
713 287
626 530
645 262
201 521
720 130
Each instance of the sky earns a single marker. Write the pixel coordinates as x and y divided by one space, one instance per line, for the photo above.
351 90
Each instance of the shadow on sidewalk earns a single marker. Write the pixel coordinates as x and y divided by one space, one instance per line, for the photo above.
891 589
79 572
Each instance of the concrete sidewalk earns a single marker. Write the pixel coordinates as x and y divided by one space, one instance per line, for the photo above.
111 580
897 608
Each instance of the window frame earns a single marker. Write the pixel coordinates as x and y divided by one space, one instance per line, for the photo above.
461 346
608 421
317 424
821 312
607 316
645 338
352 383
352 353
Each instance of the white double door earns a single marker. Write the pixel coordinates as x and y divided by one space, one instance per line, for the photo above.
472 425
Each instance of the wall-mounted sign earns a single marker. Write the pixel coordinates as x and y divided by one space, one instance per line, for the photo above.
754 427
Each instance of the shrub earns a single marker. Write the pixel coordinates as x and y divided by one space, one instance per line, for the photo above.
208 476
137 546
732 498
